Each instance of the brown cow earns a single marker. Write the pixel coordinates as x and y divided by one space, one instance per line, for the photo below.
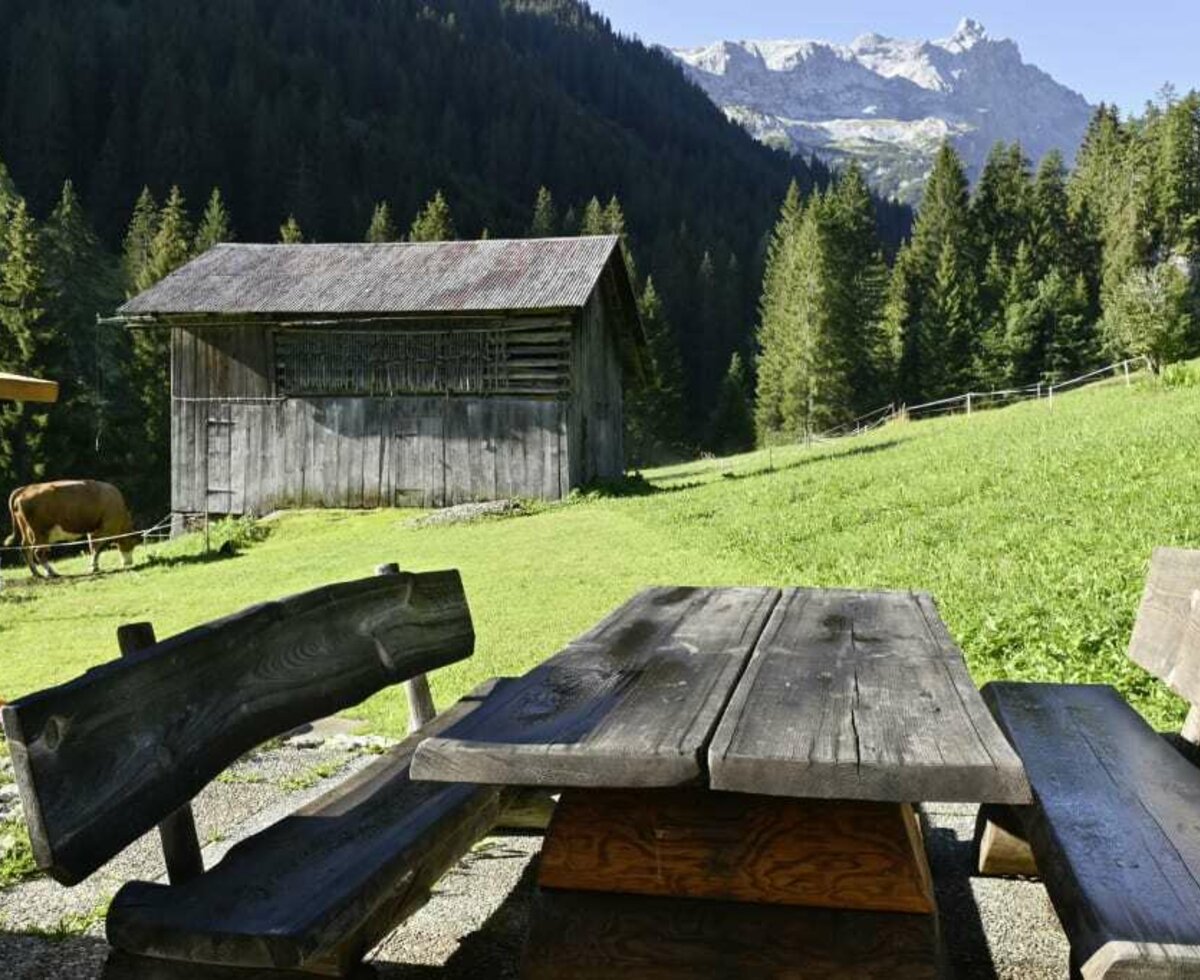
69 510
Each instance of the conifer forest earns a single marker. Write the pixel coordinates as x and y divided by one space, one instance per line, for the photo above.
779 297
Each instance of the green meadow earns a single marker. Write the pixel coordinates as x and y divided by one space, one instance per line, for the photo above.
1031 525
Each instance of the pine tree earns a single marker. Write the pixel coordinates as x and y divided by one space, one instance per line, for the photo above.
654 422
774 334
933 315
858 290
434 223
215 226
1177 180
171 246
290 233
595 222
80 282
1071 336
731 426
1027 338
382 228
139 241
950 320
1001 206
24 338
1050 229
545 218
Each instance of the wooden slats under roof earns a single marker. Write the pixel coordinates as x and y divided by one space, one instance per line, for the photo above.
13 387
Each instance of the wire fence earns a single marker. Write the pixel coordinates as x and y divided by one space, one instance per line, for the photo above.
974 401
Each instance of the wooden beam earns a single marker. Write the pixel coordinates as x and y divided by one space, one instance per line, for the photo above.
631 703
596 936
13 387
421 709
104 758
1166 634
318 889
180 845
1000 843
861 696
726 846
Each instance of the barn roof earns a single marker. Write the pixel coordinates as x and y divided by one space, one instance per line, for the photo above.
404 278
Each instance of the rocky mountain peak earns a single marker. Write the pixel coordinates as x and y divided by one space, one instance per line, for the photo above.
890 102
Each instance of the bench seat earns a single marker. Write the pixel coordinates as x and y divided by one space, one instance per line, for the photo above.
1115 827
317 890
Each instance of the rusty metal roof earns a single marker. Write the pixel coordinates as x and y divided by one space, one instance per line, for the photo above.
438 277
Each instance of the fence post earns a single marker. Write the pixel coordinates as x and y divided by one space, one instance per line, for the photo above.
968 403
1050 395
1126 367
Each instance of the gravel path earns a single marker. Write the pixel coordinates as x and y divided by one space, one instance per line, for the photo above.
474 924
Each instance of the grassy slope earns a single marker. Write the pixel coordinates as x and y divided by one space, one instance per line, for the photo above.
1032 527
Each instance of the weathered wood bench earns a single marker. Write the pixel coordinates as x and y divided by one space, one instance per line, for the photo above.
101 760
1114 830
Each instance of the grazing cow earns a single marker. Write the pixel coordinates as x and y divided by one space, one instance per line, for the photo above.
69 510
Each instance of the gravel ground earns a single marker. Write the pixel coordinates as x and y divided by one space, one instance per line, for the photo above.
474 924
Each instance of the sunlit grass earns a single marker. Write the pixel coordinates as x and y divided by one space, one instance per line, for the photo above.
1032 526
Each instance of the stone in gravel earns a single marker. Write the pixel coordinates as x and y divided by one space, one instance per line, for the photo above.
360 743
307 740
465 513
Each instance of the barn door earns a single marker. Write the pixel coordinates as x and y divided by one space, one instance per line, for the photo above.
419 459
218 498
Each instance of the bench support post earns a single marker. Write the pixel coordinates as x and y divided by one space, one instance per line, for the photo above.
421 709
181 847
1001 847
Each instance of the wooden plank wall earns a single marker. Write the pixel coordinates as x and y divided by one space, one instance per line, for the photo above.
597 450
366 452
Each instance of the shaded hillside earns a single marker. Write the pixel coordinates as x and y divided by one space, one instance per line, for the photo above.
320 108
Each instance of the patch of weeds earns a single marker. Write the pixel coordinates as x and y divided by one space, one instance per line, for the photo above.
241 778
1183 375
16 853
214 836
225 539
70 925
312 776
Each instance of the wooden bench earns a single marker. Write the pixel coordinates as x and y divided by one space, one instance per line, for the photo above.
103 759
1115 825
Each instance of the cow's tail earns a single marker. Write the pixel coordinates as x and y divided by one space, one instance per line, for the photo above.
12 515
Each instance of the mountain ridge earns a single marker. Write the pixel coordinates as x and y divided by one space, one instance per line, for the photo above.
889 103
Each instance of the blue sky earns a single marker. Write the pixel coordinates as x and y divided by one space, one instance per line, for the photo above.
1118 52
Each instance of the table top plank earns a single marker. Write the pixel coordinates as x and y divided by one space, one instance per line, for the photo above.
861 695
631 703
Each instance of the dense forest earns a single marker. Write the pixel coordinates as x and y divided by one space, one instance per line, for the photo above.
310 115
1032 276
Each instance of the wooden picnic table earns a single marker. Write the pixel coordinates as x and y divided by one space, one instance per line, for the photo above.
739 768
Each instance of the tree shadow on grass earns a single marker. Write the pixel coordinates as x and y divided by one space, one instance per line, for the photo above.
636 484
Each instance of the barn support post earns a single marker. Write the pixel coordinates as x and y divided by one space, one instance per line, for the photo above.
421 709
180 845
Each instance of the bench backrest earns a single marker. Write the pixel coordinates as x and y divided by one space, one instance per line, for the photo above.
102 759
1166 636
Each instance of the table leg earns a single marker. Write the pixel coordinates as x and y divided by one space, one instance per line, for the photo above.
667 884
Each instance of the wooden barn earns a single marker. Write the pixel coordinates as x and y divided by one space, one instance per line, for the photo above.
394 374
